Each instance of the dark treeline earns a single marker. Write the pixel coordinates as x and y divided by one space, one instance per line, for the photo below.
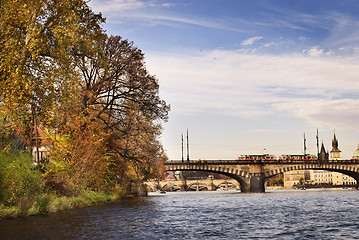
64 80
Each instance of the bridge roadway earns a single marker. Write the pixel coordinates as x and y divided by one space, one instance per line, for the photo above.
252 174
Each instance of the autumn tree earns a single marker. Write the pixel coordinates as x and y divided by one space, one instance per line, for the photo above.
36 67
119 104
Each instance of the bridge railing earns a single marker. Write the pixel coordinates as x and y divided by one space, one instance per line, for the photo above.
264 161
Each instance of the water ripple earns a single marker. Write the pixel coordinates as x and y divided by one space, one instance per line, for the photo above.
203 215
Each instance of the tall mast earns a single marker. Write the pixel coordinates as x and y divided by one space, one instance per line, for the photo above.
187 146
182 146
305 145
317 143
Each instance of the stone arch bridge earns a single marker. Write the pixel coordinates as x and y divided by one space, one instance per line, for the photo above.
252 174
193 185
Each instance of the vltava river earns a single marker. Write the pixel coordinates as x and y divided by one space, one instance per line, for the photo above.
310 214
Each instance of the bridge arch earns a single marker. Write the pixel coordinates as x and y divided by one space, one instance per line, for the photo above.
345 169
197 186
171 187
241 177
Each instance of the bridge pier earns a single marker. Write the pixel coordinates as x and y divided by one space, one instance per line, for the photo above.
257 183
254 183
245 188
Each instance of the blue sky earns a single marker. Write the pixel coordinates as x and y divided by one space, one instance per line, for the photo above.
243 75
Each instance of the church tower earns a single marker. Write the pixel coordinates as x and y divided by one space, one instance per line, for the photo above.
335 153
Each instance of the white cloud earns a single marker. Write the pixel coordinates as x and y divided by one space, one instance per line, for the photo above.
126 5
117 5
341 113
152 13
251 86
269 44
250 41
314 51
168 5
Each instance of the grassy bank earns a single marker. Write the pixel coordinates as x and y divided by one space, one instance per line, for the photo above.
23 191
51 203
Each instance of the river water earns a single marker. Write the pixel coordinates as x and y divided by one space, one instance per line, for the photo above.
296 214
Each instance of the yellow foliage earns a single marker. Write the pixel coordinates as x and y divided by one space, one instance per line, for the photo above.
91 90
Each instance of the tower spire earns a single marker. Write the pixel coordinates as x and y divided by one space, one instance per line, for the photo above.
335 143
335 153
323 155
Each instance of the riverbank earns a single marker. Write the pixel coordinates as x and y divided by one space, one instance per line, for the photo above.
323 186
25 191
51 203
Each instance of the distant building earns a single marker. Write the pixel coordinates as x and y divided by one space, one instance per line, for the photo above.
356 153
335 153
336 178
293 178
347 180
320 177
316 177
44 145
325 177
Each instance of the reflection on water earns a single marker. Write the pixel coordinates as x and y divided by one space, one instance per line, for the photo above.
311 214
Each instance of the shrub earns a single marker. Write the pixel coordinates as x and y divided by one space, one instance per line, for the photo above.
18 180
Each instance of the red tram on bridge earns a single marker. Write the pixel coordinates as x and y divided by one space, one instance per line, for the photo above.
257 157
268 157
302 157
